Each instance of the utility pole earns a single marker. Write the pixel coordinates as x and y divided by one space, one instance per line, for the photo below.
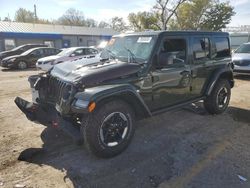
35 13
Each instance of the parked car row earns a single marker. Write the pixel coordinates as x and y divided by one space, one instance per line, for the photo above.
43 57
47 63
28 58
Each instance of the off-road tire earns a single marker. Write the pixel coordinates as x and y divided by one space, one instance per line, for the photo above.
92 128
211 102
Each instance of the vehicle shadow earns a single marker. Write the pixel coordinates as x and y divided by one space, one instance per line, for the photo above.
242 77
18 70
159 145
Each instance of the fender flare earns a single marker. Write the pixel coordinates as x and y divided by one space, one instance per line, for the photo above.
225 72
124 92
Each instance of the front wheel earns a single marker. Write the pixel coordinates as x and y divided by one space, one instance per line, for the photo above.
217 102
109 129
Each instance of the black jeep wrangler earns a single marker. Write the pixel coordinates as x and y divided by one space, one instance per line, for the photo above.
138 75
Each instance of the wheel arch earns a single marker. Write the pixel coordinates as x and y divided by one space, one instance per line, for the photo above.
226 74
126 93
140 109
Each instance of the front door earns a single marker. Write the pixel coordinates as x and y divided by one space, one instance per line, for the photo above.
171 74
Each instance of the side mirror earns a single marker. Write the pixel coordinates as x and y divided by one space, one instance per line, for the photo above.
164 59
169 59
73 55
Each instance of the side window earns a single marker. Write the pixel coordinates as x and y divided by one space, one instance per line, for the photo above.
221 47
46 52
90 51
201 49
78 52
37 53
173 53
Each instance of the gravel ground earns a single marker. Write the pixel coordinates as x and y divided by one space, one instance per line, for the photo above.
183 148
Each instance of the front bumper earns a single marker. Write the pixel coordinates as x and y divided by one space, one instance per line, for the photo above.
48 116
7 64
241 70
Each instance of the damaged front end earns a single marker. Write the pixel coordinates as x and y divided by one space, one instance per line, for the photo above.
51 105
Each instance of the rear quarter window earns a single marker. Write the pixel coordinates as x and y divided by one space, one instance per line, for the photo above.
221 48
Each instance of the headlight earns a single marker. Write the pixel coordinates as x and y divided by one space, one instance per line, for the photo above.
48 62
81 103
13 59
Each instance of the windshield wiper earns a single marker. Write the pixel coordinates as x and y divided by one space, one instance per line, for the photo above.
132 55
111 54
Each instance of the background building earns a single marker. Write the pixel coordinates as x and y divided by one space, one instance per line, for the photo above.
238 35
14 34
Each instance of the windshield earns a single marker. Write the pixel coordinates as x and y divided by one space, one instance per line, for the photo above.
66 52
245 48
130 48
17 48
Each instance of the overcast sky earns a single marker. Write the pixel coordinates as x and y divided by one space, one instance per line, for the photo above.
103 9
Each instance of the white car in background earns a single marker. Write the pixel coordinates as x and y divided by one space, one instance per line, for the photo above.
241 59
68 54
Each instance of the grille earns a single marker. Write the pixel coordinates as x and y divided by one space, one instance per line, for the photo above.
58 89
242 63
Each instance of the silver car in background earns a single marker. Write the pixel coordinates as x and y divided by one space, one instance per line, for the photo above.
241 59
66 55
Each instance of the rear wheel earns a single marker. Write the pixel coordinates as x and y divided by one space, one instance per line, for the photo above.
22 65
217 102
109 129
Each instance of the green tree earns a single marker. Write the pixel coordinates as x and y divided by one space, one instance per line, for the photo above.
23 15
218 17
190 15
72 17
118 24
203 15
143 21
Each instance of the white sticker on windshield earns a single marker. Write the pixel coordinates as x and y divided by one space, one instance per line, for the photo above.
144 39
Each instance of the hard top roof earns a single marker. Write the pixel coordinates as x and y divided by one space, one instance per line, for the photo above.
146 33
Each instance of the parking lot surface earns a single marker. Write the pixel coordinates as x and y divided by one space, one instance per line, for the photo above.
186 148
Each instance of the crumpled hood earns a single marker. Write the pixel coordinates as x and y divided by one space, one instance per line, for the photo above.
94 73
49 58
241 56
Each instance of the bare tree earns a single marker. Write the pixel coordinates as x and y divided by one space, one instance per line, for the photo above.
23 15
164 10
118 24
103 24
72 17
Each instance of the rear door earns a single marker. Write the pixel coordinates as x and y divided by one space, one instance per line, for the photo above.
202 64
209 52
